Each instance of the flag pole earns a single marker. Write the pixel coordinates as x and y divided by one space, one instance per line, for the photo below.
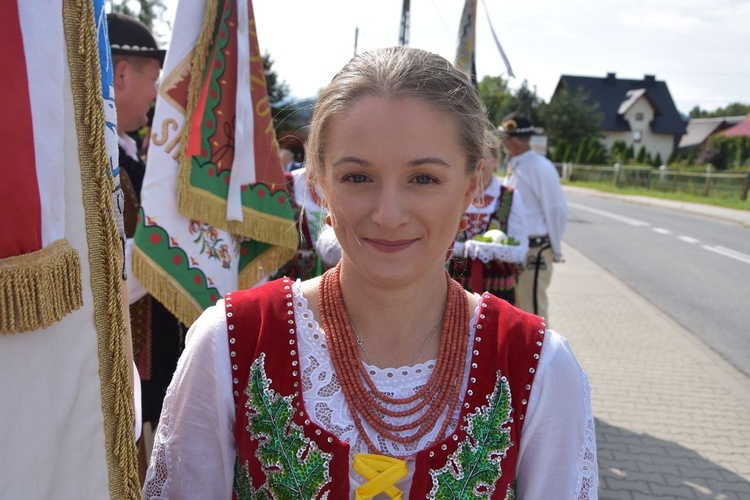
403 38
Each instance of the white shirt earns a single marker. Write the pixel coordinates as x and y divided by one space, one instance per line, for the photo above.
538 183
194 449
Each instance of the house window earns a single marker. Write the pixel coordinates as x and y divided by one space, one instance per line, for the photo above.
639 116
637 136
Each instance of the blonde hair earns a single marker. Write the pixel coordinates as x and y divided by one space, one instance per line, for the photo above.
399 72
493 142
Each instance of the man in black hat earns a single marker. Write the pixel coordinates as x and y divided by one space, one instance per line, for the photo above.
157 334
538 184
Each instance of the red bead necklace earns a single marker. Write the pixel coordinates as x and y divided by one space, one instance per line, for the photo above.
365 401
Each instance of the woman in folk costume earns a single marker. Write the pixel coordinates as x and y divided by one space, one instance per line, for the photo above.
383 378
479 263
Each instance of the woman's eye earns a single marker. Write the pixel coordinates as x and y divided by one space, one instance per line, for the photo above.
356 178
423 179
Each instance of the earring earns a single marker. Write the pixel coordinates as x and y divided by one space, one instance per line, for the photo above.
464 223
329 220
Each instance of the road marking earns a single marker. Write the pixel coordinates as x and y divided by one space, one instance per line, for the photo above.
603 213
688 239
727 252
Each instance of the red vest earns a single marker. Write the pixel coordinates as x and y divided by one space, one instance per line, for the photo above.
282 452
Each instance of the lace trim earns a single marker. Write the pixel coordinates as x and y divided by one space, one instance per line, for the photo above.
330 411
157 478
588 474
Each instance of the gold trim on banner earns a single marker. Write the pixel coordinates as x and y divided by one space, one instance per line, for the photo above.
164 288
105 250
255 225
195 203
37 289
263 265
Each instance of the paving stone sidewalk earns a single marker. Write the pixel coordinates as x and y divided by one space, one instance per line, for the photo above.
672 417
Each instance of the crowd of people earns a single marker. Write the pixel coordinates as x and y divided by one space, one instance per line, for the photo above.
390 313
407 341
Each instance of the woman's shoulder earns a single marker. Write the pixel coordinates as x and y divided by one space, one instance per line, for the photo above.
270 289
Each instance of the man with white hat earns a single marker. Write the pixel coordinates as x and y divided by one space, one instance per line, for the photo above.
538 184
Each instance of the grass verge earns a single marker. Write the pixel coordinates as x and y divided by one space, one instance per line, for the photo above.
736 204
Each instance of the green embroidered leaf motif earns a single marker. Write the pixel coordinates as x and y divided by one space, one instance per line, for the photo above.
294 465
243 487
474 468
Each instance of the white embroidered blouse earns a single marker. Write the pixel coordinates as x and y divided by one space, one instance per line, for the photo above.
194 451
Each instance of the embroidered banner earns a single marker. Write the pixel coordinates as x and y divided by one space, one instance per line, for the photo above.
215 213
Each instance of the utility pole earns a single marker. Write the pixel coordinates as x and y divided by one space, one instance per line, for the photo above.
403 38
356 37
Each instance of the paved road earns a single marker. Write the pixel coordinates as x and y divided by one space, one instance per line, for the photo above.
671 415
694 268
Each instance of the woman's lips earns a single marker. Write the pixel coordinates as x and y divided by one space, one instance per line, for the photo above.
389 246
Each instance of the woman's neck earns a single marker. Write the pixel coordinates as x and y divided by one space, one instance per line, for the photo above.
393 322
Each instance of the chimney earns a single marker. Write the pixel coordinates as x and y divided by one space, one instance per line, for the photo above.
610 79
649 80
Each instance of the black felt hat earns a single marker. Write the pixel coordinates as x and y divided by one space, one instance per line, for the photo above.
130 37
516 124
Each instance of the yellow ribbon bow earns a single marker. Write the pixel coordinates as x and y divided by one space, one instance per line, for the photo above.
382 474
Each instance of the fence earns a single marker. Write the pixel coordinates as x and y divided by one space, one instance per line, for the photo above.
716 185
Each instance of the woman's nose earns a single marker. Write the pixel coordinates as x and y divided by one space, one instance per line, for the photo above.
391 207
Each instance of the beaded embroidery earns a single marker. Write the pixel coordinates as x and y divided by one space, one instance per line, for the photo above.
293 464
474 468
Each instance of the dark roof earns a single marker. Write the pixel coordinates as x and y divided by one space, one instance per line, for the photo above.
616 95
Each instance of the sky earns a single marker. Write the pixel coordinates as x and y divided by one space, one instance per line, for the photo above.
700 48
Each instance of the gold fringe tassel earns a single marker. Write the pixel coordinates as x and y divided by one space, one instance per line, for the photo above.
255 225
165 288
105 251
196 204
37 289
263 265
197 68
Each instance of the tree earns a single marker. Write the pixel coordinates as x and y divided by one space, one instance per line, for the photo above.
657 160
527 102
496 97
282 108
733 109
149 12
570 117
641 158
501 101
597 153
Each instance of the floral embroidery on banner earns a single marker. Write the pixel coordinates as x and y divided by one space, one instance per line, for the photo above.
211 244
293 464
473 470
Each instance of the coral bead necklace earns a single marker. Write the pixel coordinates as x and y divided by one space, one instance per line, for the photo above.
440 395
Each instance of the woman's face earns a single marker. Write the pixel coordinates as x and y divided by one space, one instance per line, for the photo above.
396 183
